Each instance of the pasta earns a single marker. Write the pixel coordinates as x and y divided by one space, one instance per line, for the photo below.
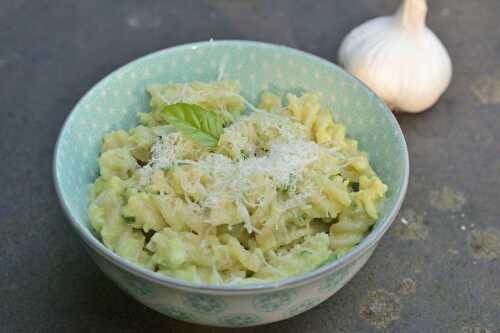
283 192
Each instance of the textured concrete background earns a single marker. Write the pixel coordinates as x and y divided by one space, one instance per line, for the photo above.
438 268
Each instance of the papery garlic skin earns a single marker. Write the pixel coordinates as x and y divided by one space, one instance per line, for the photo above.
399 58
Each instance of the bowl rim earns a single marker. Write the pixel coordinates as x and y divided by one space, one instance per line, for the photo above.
366 244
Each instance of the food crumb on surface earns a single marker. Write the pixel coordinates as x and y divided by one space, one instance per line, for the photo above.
407 287
463 227
447 199
484 244
453 251
412 226
142 21
445 12
475 329
484 137
486 88
380 307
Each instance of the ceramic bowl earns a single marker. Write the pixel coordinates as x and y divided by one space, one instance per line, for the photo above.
113 103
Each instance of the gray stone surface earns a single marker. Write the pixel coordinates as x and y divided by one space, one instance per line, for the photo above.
438 273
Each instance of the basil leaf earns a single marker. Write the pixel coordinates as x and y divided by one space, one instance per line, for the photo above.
128 219
200 125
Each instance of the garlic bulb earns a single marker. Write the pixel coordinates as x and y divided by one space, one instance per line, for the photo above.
399 58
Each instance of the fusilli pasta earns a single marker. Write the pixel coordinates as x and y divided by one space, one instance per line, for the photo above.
283 192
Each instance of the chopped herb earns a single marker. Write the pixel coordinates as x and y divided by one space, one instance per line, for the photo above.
306 253
355 187
244 154
129 219
300 217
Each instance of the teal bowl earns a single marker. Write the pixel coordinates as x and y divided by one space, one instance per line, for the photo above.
113 103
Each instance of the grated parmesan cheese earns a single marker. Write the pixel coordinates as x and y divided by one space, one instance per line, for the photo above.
283 161
163 156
